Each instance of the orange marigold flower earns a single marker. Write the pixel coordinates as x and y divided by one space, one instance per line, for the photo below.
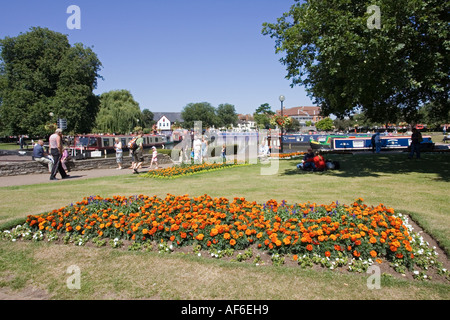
309 247
373 253
200 236
144 231
327 253
232 242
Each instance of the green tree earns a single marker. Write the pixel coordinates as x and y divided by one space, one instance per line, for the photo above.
201 111
226 115
42 74
433 118
325 124
262 116
147 118
345 65
119 113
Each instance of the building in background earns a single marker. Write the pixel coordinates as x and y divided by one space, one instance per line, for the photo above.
246 123
165 120
303 114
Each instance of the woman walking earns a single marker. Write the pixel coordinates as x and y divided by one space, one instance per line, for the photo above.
119 153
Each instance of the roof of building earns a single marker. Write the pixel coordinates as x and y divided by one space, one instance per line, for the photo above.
172 116
298 111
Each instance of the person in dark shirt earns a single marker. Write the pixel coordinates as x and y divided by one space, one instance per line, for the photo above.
41 156
416 139
308 161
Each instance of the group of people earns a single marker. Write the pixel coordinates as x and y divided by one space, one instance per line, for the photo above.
136 147
56 159
197 153
312 161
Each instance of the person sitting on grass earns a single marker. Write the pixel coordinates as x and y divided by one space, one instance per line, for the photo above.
319 162
307 163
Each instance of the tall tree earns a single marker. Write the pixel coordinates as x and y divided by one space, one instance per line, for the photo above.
201 111
262 115
347 63
119 113
147 118
226 115
41 75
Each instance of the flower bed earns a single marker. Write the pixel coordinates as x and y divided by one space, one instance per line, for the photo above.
331 235
184 170
290 155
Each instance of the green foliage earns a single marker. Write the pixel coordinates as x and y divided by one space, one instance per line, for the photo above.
346 66
40 74
325 124
223 116
262 116
119 112
202 111
227 116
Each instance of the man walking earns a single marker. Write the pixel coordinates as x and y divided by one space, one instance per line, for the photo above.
56 150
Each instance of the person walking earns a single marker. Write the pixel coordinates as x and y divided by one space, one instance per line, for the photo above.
119 153
138 153
154 158
21 142
56 150
416 139
204 152
377 140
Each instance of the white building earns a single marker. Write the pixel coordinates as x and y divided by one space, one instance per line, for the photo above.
165 120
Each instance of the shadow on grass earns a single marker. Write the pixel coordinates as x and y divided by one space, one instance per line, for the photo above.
375 165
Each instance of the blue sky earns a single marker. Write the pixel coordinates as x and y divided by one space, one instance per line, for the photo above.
171 53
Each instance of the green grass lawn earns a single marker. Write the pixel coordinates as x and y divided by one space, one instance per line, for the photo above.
417 187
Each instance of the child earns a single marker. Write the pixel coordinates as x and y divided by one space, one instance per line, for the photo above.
154 158
224 152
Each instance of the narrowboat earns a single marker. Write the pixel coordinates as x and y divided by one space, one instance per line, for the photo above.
95 144
325 142
364 142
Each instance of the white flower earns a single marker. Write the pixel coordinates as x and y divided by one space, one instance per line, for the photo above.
416 272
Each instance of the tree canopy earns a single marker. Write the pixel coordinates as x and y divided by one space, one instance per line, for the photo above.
226 115
262 116
222 116
119 113
347 65
42 78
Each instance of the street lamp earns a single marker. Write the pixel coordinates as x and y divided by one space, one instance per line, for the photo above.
282 98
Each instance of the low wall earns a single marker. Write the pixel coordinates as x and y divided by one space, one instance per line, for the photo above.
33 167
